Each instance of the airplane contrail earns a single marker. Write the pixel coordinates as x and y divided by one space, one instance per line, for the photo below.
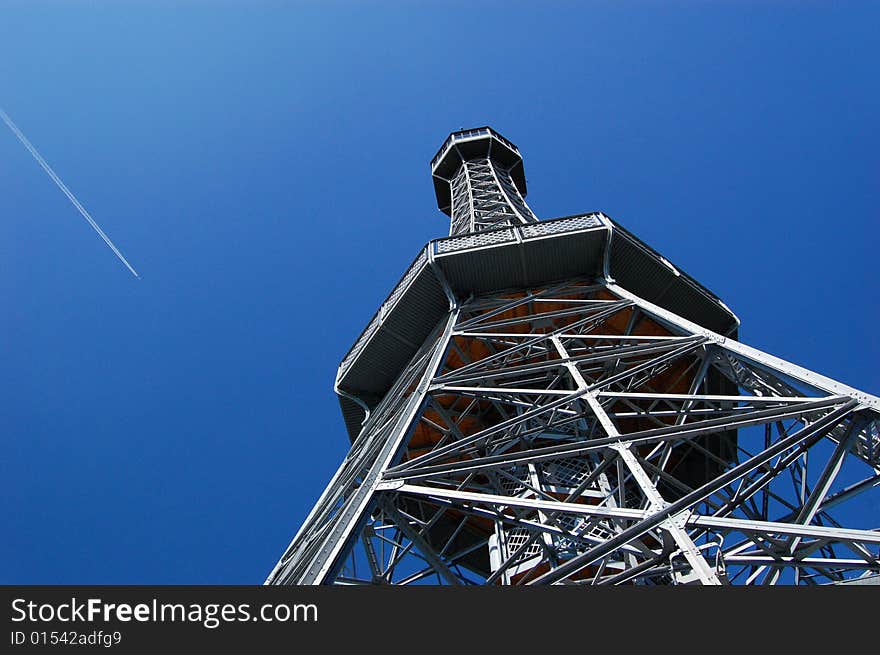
82 210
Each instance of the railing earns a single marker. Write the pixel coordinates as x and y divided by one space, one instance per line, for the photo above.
487 238
468 134
460 243
414 269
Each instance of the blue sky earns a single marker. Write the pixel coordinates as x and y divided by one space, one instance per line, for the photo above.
264 166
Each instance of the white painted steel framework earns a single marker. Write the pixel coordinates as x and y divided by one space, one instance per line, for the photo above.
575 433
485 197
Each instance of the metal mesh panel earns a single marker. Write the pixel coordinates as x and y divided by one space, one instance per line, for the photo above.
516 538
414 269
411 273
511 486
566 472
579 526
563 225
868 443
475 240
366 335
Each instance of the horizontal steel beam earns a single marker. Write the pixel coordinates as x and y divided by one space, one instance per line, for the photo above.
517 501
776 528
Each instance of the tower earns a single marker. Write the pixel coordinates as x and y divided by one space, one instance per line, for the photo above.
549 402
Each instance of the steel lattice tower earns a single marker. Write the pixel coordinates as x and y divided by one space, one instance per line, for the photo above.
543 402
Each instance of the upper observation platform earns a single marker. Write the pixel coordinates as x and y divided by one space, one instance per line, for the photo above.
480 182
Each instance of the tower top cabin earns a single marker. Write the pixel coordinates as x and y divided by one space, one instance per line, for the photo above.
480 182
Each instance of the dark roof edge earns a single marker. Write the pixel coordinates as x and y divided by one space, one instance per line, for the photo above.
417 296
